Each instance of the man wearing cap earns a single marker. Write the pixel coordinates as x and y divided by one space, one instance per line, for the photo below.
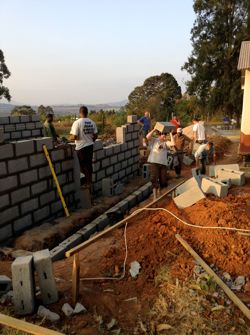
180 143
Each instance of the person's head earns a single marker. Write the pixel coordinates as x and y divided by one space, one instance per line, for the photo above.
147 114
162 137
49 117
83 112
175 118
179 131
209 146
195 120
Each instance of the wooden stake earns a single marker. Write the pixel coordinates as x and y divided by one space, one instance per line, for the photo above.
24 326
75 278
207 268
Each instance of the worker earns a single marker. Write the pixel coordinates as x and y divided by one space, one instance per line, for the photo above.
84 133
180 143
158 158
49 129
176 122
145 123
199 132
201 156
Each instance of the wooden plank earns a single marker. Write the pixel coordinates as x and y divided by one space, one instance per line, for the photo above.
25 326
217 279
83 245
75 279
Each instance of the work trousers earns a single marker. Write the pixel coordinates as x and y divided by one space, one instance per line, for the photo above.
159 175
202 168
178 167
85 157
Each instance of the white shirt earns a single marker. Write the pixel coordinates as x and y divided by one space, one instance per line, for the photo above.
83 128
158 153
199 129
201 148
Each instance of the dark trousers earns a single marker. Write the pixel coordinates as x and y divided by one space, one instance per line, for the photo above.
85 156
202 169
159 175
178 167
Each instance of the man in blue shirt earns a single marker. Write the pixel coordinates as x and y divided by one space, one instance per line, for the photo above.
145 123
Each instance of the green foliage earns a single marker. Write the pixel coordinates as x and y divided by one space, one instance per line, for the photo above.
157 95
44 111
22 110
218 31
4 74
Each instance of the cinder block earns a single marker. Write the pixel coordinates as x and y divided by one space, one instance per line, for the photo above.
1 135
20 126
98 145
39 187
30 125
98 155
68 188
124 164
136 127
129 128
124 146
85 198
117 167
3 169
29 206
8 183
25 118
128 170
128 137
123 206
46 198
237 177
46 279
189 197
6 151
38 160
109 170
57 253
122 174
88 230
56 207
22 224
14 119
44 172
26 133
139 196
57 155
127 154
20 195
5 232
101 222
215 187
38 125
35 118
71 241
36 132
4 201
121 156
96 166
68 165
39 142
17 165
108 151
15 135
130 144
28 177
130 161
25 147
192 182
146 171
6 136
9 128
5 284
41 214
213 169
23 285
100 174
105 162
132 200
120 134
132 118
4 120
107 186
146 189
9 214
136 143
117 148
135 135
113 159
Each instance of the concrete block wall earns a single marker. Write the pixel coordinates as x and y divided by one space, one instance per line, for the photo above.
120 160
20 127
28 194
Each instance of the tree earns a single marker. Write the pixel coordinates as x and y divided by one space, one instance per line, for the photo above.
218 31
4 74
157 95
22 110
44 111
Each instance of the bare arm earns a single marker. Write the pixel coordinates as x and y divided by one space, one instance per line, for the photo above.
150 134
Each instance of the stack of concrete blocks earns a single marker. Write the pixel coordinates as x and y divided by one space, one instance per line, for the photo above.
20 127
28 194
23 282
214 186
213 169
118 161
188 193
1 135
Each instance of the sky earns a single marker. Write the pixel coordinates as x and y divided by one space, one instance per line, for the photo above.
91 51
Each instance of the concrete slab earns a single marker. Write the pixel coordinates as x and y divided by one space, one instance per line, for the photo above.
212 186
186 186
237 177
46 279
190 197
213 169
23 285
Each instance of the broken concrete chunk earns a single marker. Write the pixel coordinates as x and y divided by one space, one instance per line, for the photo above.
134 268
188 198
47 314
67 309
79 308
240 280
226 275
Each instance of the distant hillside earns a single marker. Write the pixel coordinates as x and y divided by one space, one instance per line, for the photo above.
63 109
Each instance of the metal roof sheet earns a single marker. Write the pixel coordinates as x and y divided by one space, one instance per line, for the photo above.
244 58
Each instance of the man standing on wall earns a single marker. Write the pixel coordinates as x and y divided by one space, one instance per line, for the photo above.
84 133
145 123
49 129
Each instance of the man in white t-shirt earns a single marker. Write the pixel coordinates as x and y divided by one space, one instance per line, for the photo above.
199 132
84 133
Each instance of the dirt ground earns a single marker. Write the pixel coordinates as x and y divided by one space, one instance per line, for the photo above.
164 297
